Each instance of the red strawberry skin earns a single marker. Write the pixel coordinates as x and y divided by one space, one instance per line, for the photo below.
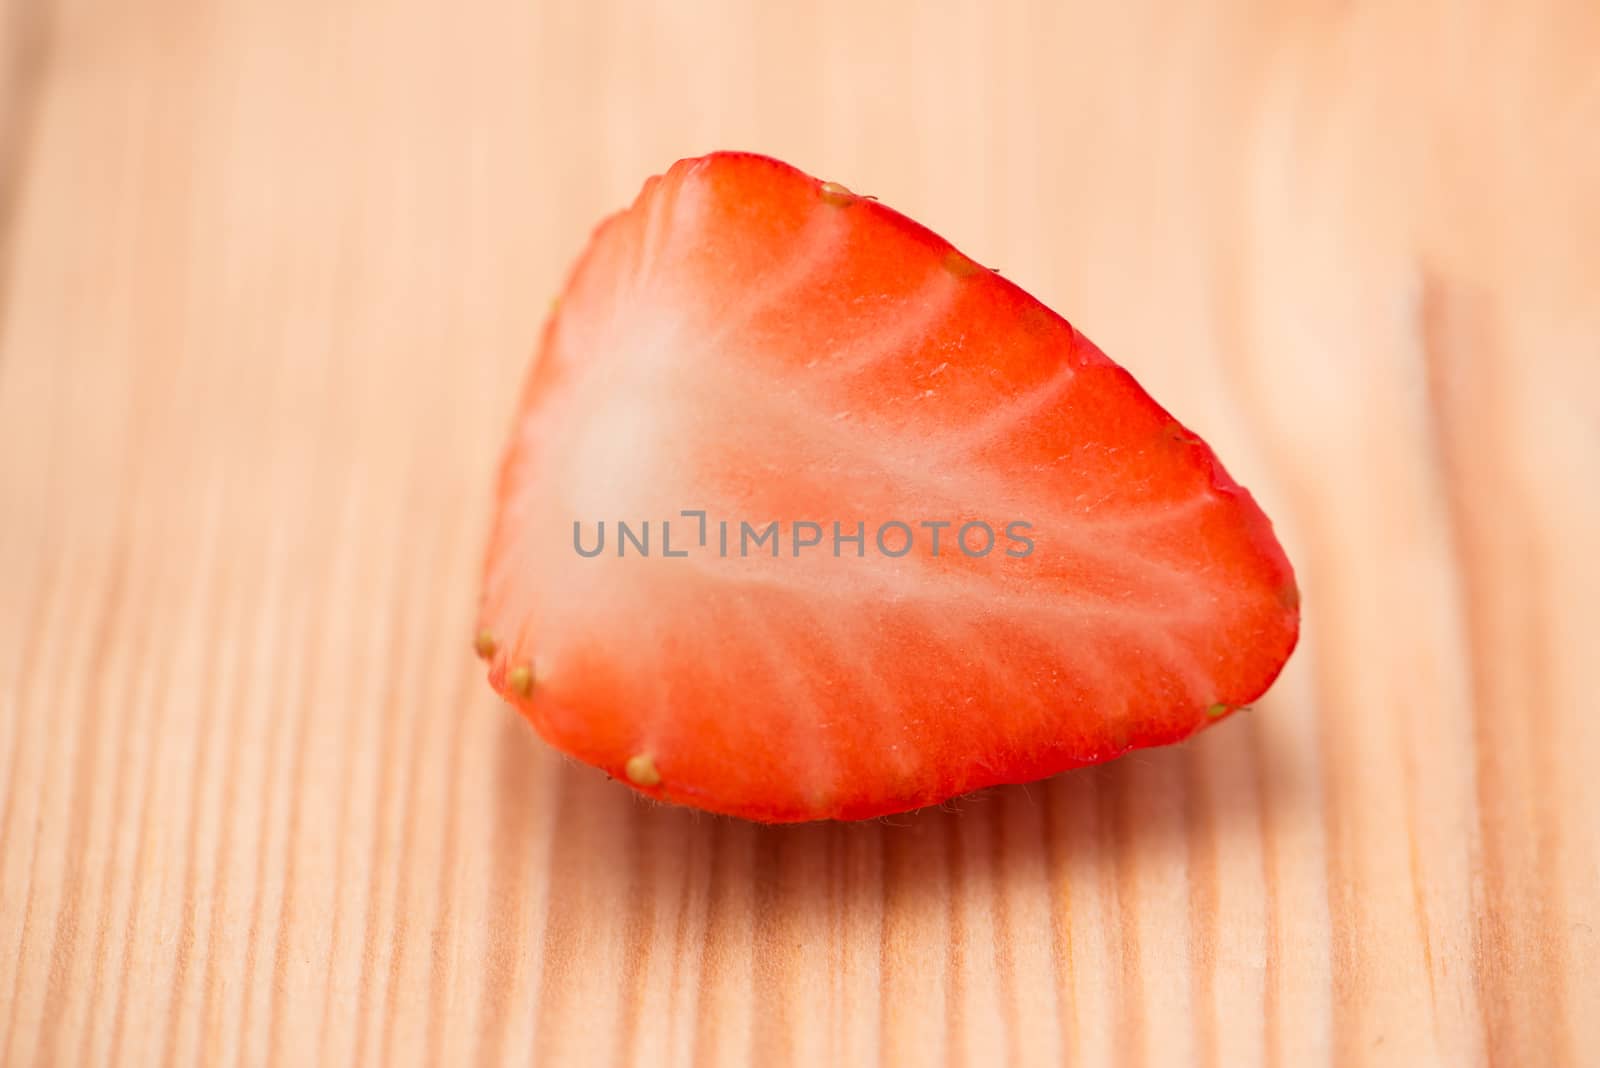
749 341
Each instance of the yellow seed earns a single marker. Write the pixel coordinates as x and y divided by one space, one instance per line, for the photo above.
1175 431
641 770
959 264
834 193
520 679
1217 710
484 644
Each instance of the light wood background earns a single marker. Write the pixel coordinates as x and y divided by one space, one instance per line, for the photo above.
269 276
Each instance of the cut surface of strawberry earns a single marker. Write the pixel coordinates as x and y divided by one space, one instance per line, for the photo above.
805 515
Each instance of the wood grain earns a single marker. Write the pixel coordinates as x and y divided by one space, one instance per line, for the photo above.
269 273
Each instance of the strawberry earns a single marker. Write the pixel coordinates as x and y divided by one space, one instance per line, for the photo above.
805 515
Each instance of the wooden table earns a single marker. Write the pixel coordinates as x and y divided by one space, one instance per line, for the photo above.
269 275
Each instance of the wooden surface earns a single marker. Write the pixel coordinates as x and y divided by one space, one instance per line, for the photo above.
269 275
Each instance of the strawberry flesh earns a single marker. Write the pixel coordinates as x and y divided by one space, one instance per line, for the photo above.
750 343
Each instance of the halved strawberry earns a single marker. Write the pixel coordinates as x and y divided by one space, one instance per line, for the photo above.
746 345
